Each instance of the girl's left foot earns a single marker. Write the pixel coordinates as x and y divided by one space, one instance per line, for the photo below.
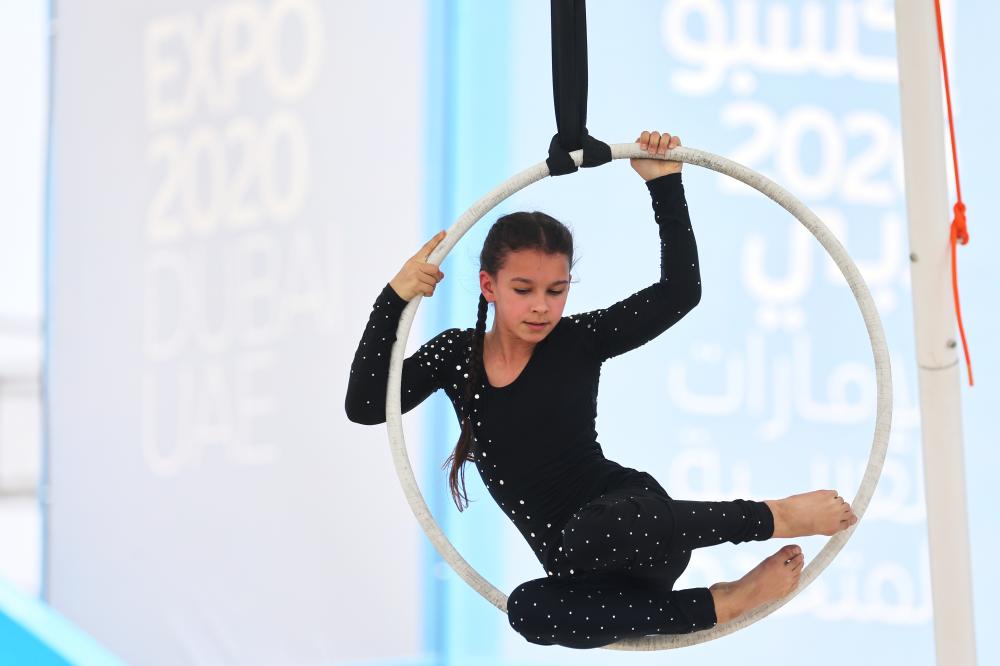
772 579
806 514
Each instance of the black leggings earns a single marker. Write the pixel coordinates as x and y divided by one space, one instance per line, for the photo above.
612 571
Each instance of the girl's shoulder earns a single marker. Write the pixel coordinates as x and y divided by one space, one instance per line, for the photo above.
575 332
452 341
445 354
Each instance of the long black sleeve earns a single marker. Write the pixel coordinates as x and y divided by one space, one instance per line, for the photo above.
365 400
645 314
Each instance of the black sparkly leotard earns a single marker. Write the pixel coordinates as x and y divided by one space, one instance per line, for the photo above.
534 440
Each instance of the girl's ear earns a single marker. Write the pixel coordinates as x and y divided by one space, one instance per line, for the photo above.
487 286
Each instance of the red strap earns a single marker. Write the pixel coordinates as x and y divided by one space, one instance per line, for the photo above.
959 231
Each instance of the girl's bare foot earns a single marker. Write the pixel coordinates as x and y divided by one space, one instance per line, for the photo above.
772 579
806 514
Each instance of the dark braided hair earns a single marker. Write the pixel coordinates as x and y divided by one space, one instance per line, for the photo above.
510 233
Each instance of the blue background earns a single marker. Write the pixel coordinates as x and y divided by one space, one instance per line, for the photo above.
491 115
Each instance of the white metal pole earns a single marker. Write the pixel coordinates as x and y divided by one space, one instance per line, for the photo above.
929 216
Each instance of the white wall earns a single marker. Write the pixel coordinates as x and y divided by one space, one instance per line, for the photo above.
23 116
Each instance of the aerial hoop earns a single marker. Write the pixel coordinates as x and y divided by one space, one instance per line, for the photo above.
829 242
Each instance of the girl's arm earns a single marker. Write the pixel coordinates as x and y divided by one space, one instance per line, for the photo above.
642 316
422 371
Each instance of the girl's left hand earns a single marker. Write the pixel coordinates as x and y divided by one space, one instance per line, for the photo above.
656 144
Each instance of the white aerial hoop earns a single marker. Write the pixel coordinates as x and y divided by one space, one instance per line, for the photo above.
826 238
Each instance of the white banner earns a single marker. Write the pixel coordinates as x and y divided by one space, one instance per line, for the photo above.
215 167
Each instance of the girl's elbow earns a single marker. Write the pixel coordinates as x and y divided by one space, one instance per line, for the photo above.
365 419
363 414
694 298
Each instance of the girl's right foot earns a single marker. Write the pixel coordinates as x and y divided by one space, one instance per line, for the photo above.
806 514
772 579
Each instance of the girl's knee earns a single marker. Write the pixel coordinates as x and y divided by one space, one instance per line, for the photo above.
526 610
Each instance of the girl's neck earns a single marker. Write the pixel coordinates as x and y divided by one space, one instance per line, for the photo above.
508 348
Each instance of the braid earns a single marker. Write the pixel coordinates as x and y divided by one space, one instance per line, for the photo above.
460 455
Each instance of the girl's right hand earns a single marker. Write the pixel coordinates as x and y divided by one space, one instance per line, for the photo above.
417 276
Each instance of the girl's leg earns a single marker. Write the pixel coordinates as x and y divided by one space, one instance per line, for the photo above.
595 609
641 531
700 524
600 608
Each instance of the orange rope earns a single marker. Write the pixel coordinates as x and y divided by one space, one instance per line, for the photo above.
959 231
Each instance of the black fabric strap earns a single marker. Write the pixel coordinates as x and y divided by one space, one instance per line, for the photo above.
569 90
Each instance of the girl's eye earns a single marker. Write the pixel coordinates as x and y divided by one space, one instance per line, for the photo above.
526 291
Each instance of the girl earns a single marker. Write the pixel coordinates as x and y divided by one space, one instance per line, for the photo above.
611 540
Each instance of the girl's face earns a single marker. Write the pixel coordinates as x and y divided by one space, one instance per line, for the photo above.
529 293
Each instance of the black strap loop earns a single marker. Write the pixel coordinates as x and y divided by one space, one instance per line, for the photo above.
569 90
